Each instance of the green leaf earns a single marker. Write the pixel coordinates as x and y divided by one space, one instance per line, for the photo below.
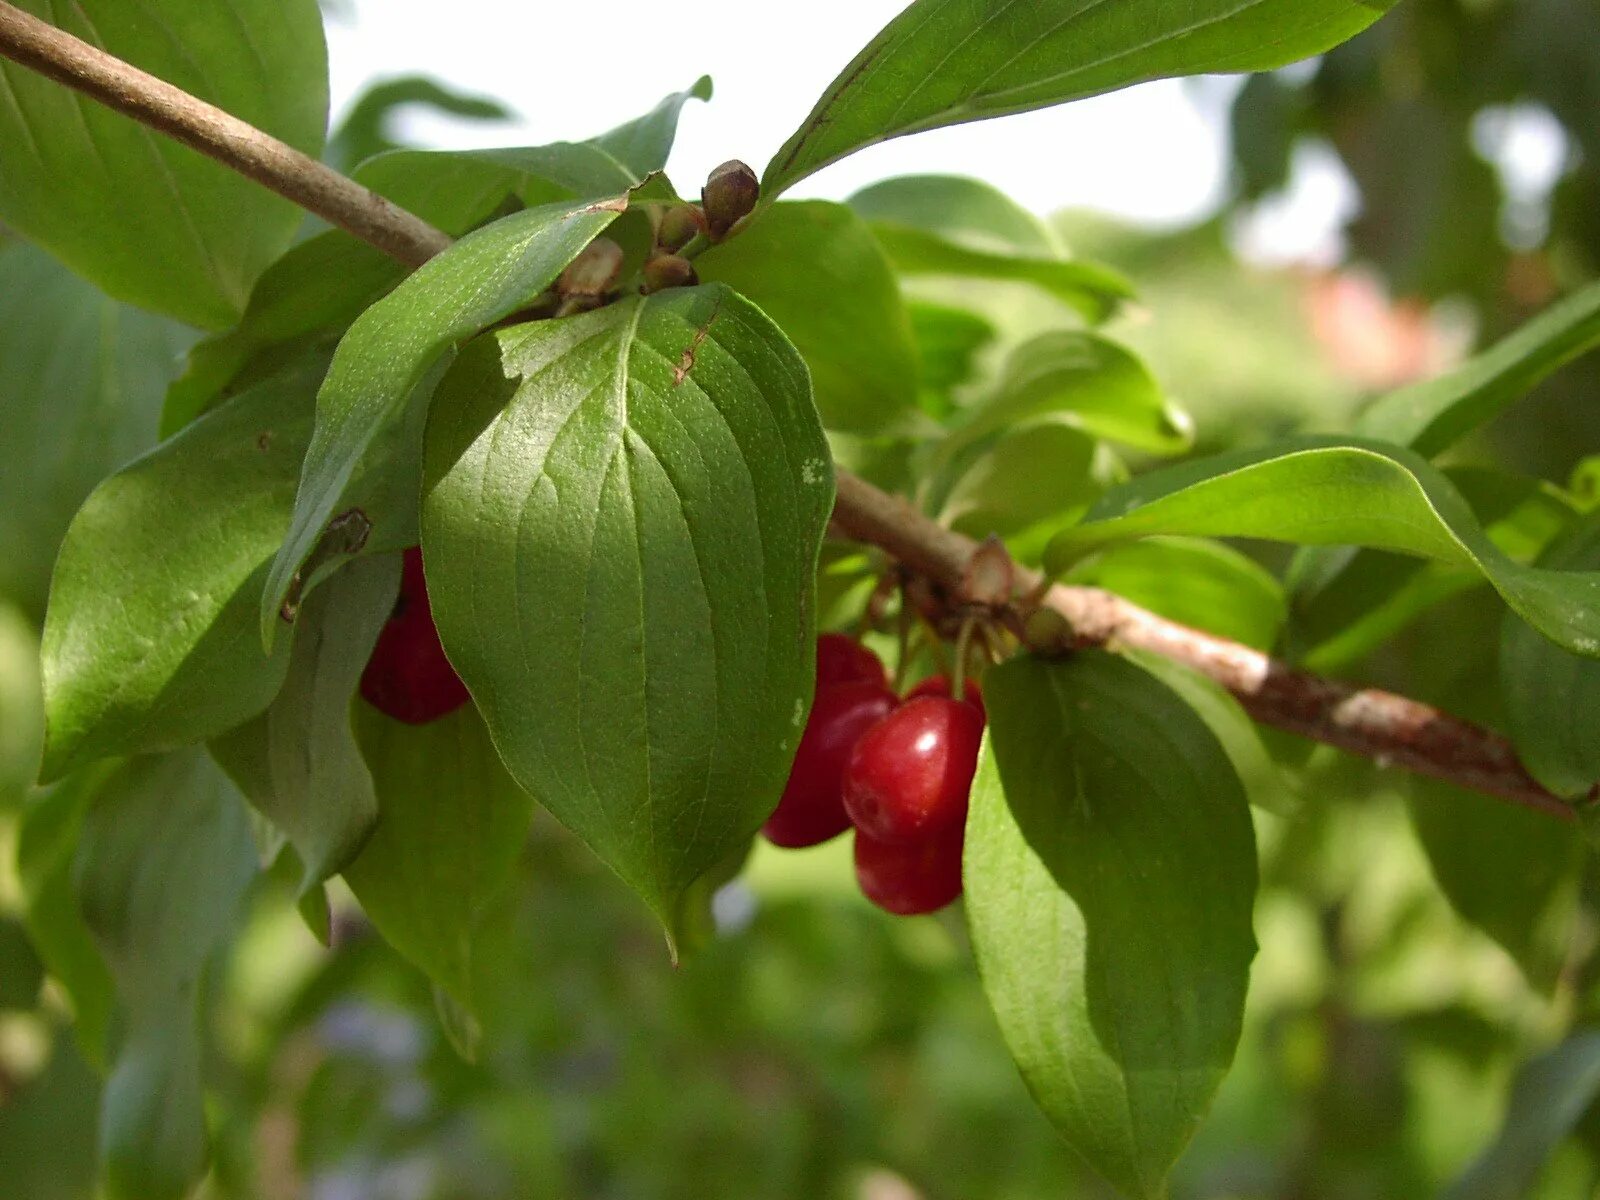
1548 1097
943 62
1088 382
1348 602
365 130
1552 696
1322 491
635 500
298 762
163 865
47 837
1009 483
369 407
151 640
21 707
149 220
79 395
1110 874
1090 289
1510 871
962 210
1433 415
948 342
1194 582
813 267
451 826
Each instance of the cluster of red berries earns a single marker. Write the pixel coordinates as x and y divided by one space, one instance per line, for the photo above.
900 771
408 677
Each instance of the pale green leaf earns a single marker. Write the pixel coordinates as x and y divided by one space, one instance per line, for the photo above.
961 209
621 518
21 706
151 639
1324 491
1110 874
147 219
368 409
942 62
813 267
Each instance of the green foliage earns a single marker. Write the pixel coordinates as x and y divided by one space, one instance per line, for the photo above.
1110 872
152 222
637 496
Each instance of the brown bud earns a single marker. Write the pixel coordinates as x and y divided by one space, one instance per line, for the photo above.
678 227
730 195
669 271
594 271
989 577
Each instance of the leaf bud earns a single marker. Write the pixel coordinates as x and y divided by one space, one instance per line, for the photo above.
678 227
989 577
669 271
594 272
729 196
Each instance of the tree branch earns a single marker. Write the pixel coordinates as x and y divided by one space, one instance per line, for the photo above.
1378 725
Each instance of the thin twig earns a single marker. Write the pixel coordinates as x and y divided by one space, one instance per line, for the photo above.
1378 725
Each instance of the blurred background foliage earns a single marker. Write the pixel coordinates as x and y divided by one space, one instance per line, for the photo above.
816 1047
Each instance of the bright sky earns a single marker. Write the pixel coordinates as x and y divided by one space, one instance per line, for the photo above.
575 69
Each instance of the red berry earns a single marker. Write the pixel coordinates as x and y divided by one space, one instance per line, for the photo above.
910 774
811 810
939 685
911 877
844 660
408 677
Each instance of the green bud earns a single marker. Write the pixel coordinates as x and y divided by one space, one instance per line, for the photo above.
669 271
594 272
729 196
679 226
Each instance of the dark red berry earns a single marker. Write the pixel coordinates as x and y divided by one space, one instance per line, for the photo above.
939 685
910 774
842 659
408 677
913 877
811 810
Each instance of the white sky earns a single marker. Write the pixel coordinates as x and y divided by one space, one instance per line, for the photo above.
1149 153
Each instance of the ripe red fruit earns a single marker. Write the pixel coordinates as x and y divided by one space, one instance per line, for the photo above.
811 810
408 677
939 685
842 659
910 774
913 877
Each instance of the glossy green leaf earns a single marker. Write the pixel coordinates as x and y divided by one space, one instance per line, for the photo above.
451 825
1194 582
943 62
1510 871
1322 491
813 267
163 864
1090 289
1548 1097
1552 697
47 838
621 517
368 410
80 390
963 210
149 220
298 762
151 637
1431 416
1110 874
1349 601
1088 382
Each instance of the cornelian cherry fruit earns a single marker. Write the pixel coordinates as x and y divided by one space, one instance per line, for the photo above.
811 810
908 878
939 685
408 676
842 659
909 776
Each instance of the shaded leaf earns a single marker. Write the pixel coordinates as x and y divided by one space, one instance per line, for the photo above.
1110 874
634 500
813 267
369 407
1323 491
943 62
21 707
963 210
148 220
150 640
